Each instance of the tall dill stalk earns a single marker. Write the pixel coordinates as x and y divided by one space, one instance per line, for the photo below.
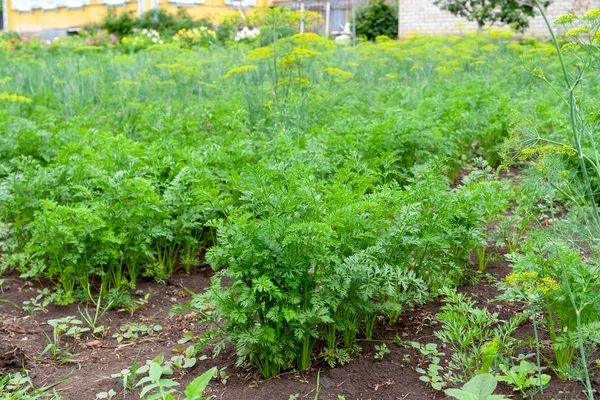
574 115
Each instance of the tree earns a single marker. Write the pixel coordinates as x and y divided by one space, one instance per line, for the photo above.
377 19
515 13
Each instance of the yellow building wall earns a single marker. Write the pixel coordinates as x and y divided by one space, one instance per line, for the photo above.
35 21
211 9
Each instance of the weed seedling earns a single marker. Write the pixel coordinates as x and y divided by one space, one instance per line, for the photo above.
127 377
524 377
381 351
132 330
135 305
67 325
432 374
106 395
187 358
38 303
155 382
92 320
221 375
187 337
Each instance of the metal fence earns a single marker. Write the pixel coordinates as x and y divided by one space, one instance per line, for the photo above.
337 14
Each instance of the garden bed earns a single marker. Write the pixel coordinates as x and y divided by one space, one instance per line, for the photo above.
391 378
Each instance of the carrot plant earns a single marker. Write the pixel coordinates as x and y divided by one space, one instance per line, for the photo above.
330 187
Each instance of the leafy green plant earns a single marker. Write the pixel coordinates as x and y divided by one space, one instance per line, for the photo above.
327 214
479 387
195 390
431 375
523 377
187 358
382 350
120 24
18 385
510 12
377 19
66 326
221 375
134 305
427 351
543 277
467 329
128 377
38 303
106 395
93 320
155 382
133 330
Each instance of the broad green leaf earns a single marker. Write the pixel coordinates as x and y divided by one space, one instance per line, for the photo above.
155 371
481 385
462 394
195 389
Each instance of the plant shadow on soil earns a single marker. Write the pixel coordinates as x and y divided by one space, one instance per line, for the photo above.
393 377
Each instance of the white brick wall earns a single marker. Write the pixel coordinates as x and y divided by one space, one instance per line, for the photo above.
423 16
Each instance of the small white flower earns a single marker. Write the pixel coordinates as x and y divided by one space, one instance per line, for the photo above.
154 40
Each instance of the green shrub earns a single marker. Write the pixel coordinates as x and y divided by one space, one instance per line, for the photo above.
121 25
168 24
377 19
161 20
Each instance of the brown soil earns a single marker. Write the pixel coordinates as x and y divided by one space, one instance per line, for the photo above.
393 377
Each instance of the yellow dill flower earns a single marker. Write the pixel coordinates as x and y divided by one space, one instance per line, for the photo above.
302 52
302 81
569 47
337 73
14 98
514 279
591 15
565 19
238 70
548 285
530 282
6 79
308 37
490 47
288 62
576 32
547 149
261 53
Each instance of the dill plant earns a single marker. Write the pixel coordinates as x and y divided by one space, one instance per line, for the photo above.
567 165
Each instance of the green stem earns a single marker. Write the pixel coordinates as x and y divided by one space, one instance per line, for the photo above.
572 106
